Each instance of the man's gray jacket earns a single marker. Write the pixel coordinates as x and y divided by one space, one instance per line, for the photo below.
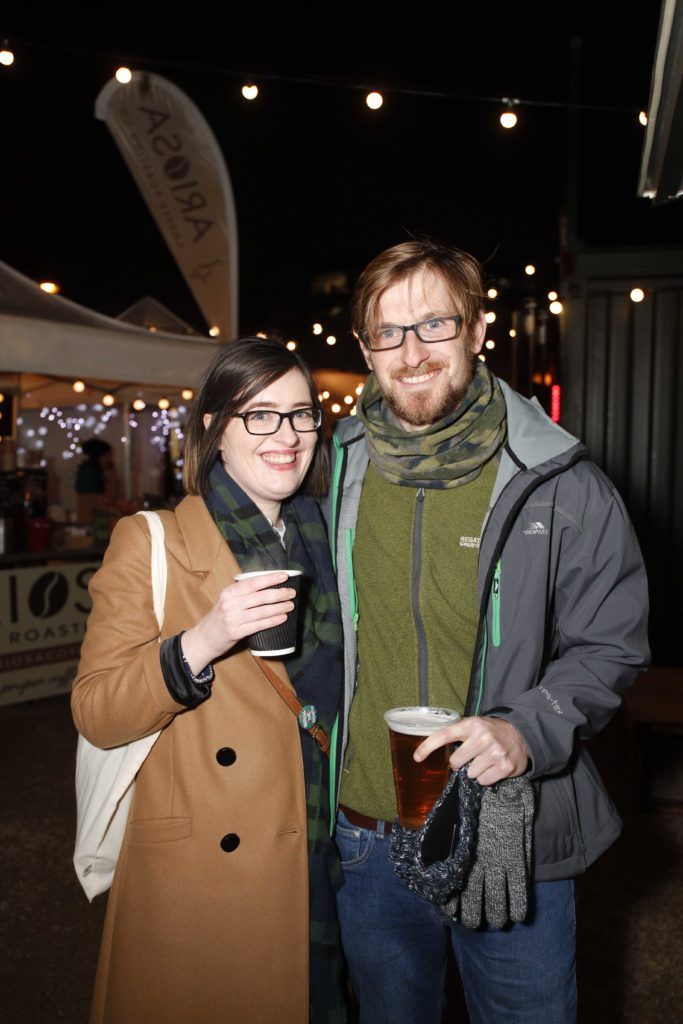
562 631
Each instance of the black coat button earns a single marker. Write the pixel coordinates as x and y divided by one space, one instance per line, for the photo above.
230 842
226 756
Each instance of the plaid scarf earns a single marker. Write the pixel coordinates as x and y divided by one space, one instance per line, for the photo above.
447 453
315 670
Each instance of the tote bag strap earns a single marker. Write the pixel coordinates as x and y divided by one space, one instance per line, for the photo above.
159 566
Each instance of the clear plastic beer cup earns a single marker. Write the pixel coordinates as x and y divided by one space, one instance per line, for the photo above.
418 783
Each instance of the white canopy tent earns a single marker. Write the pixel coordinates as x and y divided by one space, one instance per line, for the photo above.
52 336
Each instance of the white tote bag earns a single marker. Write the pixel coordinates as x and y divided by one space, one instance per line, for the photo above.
105 779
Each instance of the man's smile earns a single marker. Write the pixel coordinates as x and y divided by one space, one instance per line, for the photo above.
418 378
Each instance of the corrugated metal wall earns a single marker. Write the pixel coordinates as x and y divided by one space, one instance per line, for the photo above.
621 364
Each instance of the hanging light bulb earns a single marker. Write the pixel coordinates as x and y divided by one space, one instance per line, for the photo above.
490 343
326 395
78 386
317 328
123 75
642 117
490 318
530 270
374 100
556 307
336 407
512 332
508 118
492 293
214 331
250 91
108 399
187 394
138 405
637 295
359 388
552 296
6 56
331 340
348 399
291 345
164 403
50 287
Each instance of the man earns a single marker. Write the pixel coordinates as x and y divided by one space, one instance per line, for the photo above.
486 565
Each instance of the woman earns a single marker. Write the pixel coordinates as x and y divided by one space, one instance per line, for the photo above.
209 913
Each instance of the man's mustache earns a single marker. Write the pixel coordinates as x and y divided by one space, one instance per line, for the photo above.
417 371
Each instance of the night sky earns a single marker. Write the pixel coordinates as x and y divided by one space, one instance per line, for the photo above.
321 183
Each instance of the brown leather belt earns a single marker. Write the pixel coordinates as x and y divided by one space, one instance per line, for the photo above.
362 821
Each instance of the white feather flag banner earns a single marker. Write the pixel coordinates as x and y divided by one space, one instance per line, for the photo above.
175 159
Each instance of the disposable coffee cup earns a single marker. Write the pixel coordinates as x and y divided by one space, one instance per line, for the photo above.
418 783
278 640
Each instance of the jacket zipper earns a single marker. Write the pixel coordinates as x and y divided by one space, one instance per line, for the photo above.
495 606
476 698
353 593
417 614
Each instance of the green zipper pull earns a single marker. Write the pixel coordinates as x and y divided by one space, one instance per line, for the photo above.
495 610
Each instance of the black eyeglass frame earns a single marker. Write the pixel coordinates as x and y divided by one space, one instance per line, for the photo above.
317 413
455 317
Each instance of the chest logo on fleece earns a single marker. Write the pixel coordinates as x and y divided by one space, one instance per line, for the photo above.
469 542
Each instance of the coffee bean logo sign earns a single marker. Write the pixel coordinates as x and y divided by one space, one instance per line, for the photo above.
177 167
48 595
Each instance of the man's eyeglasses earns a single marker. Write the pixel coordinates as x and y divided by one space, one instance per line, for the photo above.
267 421
437 328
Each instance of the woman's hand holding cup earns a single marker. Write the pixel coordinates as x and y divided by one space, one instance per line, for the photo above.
243 608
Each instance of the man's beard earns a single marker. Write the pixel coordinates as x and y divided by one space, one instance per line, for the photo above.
422 408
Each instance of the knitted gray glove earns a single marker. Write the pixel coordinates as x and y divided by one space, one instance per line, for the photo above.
498 880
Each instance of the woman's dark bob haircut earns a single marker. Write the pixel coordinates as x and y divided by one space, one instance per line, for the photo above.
238 371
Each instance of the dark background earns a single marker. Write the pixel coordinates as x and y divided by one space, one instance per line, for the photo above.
321 183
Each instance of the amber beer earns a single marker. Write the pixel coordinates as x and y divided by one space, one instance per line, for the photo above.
418 783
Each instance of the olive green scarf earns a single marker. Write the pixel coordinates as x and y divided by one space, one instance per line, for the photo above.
447 453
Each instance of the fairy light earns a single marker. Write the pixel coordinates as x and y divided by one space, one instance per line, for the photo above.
490 343
642 118
317 328
138 405
482 357
336 407
374 100
6 57
326 395
250 91
331 340
124 75
164 403
187 394
108 399
512 332
78 386
530 270
552 296
490 318
291 345
348 399
556 307
492 293
637 295
508 118
50 287
359 388
214 331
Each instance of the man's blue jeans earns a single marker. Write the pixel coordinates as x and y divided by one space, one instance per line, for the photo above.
396 946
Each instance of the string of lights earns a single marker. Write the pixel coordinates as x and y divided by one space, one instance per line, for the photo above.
375 94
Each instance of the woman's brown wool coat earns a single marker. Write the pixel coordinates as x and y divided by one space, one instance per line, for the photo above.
194 932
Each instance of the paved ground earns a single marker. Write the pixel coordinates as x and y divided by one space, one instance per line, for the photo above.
630 948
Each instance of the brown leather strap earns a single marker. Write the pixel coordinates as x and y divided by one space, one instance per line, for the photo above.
362 821
293 703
